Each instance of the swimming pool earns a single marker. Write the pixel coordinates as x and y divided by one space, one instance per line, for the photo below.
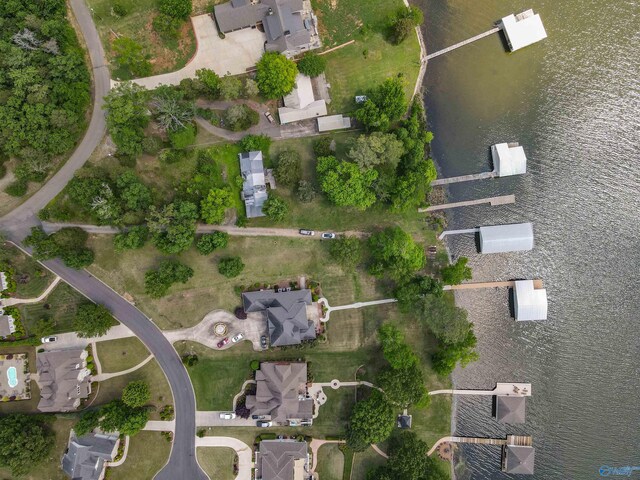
12 375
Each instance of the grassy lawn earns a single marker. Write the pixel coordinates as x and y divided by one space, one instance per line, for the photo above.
366 23
61 305
31 277
152 374
148 453
49 467
217 462
121 354
165 55
330 462
365 461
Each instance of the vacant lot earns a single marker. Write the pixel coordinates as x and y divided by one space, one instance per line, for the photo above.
356 68
165 55
365 461
61 306
217 462
31 277
121 354
148 453
330 462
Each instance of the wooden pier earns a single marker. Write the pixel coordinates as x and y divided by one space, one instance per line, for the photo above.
502 389
509 284
519 440
463 43
493 201
464 178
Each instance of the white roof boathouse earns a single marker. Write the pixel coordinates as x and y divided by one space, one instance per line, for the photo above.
514 237
523 29
529 302
508 159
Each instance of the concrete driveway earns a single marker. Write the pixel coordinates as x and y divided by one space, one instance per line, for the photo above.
244 452
234 54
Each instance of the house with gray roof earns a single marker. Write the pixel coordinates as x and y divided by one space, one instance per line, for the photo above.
281 393
282 460
63 378
86 456
254 186
518 459
3 281
7 324
510 409
285 312
290 26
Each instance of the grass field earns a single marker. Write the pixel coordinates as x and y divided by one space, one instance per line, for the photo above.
165 55
31 277
121 354
217 462
61 305
365 461
148 453
366 23
330 462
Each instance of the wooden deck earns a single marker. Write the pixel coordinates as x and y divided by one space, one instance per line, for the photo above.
520 440
464 178
508 284
463 43
503 389
493 201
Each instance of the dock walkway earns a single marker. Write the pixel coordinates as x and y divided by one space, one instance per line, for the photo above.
502 389
464 178
508 284
463 43
493 201
519 440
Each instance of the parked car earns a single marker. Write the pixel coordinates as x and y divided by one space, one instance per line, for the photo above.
49 339
263 341
223 342
237 338
307 232
258 417
269 116
328 236
263 423
227 415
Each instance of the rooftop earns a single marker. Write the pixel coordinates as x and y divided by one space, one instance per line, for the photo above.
301 104
518 459
254 187
3 281
7 325
282 460
508 159
86 456
523 29
506 238
529 303
510 409
63 379
333 122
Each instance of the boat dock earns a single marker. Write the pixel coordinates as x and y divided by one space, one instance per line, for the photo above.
493 201
513 440
463 43
502 389
509 284
464 178
458 232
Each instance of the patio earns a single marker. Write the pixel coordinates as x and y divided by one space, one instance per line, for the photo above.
12 369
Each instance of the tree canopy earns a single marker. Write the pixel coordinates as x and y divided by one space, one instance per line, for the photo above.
371 421
385 104
117 416
157 282
92 320
408 460
136 393
127 117
395 253
66 243
456 273
275 208
130 55
409 293
209 242
345 184
24 442
215 204
369 151
176 8
171 110
173 227
230 266
346 251
311 64
276 75
288 168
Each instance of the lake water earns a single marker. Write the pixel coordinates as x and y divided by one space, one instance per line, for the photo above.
573 102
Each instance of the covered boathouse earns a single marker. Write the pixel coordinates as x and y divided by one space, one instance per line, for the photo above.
514 237
523 29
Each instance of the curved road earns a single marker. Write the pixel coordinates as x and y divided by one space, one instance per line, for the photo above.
16 225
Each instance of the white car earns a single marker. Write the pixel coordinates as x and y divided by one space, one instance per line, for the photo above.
48 339
227 415
328 236
237 338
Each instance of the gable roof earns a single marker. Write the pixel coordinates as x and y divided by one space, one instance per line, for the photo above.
510 409
518 459
3 281
254 187
63 379
530 303
86 456
286 314
7 325
282 459
512 237
281 392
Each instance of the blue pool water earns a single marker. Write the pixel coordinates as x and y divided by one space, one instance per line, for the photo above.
12 375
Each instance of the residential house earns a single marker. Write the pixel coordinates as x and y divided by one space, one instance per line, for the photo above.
282 460
281 393
7 324
290 26
254 186
3 281
86 456
63 379
286 314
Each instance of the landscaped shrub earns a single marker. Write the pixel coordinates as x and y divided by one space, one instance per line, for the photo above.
255 365
322 147
312 64
240 117
230 266
212 241
176 8
240 313
166 25
17 188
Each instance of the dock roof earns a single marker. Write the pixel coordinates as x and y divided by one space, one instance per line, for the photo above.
513 237
523 29
510 409
518 459
508 159
530 303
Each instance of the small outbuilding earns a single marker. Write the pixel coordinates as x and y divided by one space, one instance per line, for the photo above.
3 281
508 159
510 409
333 122
518 459
523 29
404 422
301 104
529 303
514 237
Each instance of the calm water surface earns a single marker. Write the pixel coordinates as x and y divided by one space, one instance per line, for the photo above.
573 102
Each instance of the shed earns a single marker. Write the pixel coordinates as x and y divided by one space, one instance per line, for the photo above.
508 159
510 409
333 122
523 29
529 303
518 459
514 237
404 421
301 104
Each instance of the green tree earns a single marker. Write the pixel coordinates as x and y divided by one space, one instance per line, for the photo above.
322 147
171 110
89 420
132 239
250 143
119 417
230 266
24 442
173 228
240 117
230 87
183 138
275 208
127 116
371 421
176 8
288 168
215 204
345 184
92 320
311 64
157 282
395 350
456 273
346 251
212 241
136 393
394 252
409 293
448 323
372 117
129 55
386 103
67 243
210 80
449 355
404 386
276 75
401 29
134 194
306 192
369 151
167 26
250 88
